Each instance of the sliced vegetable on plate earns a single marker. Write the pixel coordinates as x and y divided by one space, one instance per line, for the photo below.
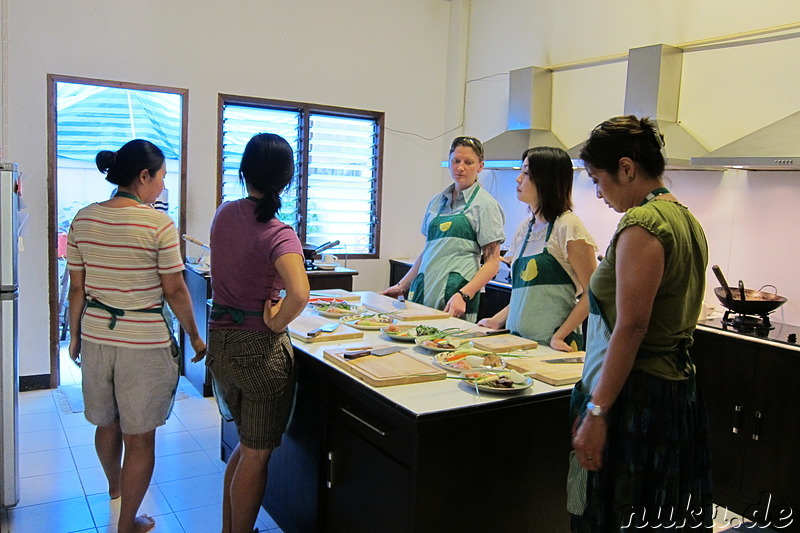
367 321
462 360
410 332
442 344
336 309
500 381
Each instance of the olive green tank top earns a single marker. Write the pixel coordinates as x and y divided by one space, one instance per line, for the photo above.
680 295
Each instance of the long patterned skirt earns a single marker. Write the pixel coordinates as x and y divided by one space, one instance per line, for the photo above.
657 470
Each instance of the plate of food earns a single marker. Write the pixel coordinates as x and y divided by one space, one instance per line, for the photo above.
411 332
442 344
337 309
324 300
463 360
499 381
368 321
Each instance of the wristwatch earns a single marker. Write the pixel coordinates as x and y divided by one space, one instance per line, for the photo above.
464 296
595 409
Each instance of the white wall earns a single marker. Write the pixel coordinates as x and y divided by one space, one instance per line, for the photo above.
727 91
350 53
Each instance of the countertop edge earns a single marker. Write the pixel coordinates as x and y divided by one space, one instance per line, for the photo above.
747 338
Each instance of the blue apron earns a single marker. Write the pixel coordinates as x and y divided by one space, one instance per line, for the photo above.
542 296
450 259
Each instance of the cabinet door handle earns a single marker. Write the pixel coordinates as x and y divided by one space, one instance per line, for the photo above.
737 418
329 480
364 422
757 430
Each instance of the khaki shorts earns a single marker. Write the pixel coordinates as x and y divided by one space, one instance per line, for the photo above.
135 387
253 382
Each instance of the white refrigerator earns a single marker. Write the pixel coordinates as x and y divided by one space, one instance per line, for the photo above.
9 373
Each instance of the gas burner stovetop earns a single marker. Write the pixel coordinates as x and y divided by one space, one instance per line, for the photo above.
759 325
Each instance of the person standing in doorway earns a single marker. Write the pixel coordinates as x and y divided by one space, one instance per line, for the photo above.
124 259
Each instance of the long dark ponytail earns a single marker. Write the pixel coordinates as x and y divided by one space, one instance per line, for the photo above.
267 167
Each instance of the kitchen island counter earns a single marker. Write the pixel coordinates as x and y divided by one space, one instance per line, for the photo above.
416 457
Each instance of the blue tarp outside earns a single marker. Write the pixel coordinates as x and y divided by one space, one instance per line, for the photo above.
91 118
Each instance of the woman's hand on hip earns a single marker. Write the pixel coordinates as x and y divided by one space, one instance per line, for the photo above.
270 310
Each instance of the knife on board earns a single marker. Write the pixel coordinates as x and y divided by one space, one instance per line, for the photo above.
327 328
576 359
355 353
475 334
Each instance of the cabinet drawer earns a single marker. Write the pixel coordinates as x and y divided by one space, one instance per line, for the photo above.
389 430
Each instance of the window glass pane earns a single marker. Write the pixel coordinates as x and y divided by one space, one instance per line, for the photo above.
90 118
240 123
342 179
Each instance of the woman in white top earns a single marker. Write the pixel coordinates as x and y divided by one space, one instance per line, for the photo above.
554 259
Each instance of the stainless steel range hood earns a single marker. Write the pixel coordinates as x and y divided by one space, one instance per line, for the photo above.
652 90
766 149
530 96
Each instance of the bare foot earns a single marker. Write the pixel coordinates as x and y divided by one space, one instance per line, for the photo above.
143 523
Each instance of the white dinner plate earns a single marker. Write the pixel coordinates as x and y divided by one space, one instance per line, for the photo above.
516 387
450 345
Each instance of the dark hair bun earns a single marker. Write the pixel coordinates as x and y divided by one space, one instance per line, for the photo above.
124 166
104 160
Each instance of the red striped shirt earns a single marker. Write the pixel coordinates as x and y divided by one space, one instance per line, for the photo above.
123 251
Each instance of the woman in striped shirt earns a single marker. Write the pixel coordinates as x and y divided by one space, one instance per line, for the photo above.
124 260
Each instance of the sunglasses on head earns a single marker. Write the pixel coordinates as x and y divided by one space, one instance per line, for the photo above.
472 142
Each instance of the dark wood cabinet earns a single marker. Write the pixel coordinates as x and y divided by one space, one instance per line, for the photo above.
496 296
364 486
340 278
751 394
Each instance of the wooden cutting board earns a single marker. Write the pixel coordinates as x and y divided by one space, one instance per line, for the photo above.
504 343
304 323
335 293
393 369
412 311
556 374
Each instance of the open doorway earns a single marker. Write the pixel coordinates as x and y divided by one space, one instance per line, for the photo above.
84 117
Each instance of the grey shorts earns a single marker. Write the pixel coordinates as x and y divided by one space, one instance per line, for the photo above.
133 386
253 382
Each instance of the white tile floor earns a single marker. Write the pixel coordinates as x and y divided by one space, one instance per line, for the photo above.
63 489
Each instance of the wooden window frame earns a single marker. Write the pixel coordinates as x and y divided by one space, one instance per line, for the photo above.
306 110
52 193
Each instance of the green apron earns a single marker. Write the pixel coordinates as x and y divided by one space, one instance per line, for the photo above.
450 259
542 296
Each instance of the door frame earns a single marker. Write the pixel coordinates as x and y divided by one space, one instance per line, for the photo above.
52 191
